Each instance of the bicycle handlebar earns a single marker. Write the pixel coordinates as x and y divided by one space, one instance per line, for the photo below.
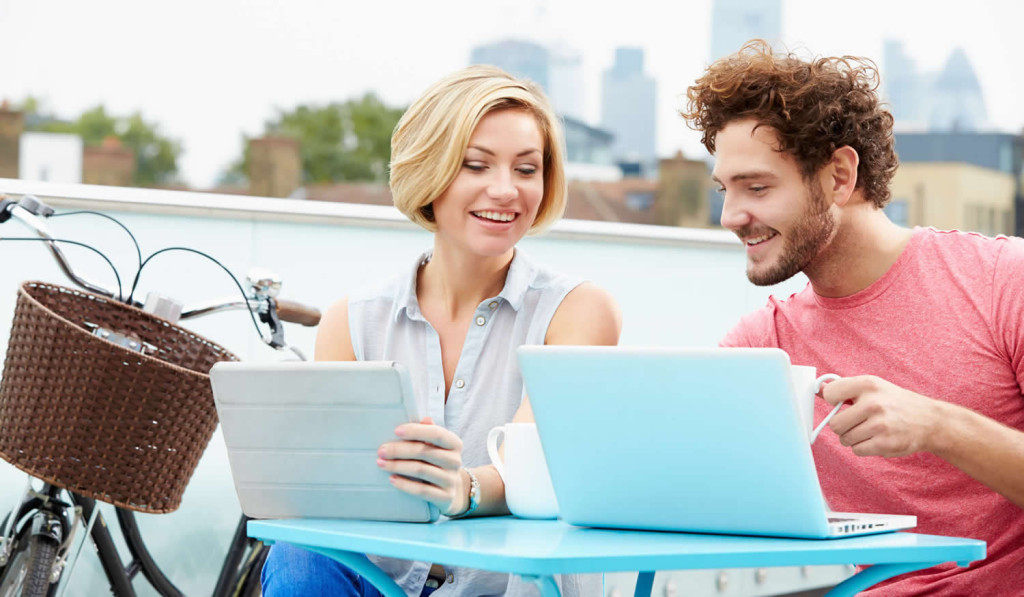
30 212
28 216
294 312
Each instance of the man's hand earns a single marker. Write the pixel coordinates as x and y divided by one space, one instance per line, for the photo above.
884 419
426 462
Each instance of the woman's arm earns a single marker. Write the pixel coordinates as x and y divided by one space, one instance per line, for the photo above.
333 339
587 316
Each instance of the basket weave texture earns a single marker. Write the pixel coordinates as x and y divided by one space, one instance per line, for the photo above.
99 419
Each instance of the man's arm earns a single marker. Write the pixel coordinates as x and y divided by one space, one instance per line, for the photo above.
887 420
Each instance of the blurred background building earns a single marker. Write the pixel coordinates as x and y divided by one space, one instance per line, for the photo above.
734 22
957 170
628 106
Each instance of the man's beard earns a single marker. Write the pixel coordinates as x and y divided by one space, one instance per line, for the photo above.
803 242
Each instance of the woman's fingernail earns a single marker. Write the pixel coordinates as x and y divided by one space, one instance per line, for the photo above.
400 431
381 462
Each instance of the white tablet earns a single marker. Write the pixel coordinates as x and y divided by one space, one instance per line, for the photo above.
302 438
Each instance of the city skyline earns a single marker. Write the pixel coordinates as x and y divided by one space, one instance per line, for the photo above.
211 73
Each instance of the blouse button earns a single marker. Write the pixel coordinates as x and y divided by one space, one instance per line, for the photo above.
460 384
493 305
481 320
451 578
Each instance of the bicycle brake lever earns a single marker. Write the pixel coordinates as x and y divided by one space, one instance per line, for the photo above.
5 209
34 206
269 317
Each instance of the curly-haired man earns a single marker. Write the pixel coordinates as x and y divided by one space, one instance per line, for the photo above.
925 326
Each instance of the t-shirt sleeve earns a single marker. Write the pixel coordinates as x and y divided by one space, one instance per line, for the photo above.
1008 303
754 330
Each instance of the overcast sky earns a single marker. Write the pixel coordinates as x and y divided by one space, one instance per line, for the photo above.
209 71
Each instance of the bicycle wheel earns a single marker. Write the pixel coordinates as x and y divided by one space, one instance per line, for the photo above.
28 573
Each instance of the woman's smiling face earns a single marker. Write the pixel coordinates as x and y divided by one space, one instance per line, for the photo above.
494 199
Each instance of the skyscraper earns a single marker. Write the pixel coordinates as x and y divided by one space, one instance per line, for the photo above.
957 101
904 87
734 22
565 77
950 100
520 58
628 105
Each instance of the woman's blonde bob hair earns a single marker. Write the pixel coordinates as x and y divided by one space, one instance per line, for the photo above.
429 142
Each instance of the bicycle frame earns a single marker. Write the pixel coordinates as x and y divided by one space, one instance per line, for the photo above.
59 519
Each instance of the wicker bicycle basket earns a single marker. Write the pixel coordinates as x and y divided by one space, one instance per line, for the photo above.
97 418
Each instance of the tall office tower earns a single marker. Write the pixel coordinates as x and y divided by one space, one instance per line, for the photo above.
565 77
957 101
628 105
734 22
904 86
520 58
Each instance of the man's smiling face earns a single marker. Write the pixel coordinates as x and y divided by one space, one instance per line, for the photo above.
782 217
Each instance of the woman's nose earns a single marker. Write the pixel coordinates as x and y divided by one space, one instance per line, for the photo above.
502 188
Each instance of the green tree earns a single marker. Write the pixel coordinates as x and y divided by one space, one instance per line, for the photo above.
156 156
350 140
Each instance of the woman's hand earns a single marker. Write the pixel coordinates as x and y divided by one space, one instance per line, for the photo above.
426 462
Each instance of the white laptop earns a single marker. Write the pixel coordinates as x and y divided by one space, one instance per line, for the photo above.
302 438
681 439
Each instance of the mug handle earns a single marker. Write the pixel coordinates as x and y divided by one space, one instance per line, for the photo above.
492 449
817 388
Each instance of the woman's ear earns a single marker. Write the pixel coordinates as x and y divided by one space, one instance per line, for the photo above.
842 170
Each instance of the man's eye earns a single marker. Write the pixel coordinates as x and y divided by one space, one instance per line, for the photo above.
758 189
720 190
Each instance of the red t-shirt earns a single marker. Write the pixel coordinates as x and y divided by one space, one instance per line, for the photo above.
946 321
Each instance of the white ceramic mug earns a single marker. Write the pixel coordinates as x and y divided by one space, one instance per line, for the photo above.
806 385
803 385
528 490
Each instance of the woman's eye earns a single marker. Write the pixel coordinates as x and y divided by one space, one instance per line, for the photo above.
527 170
474 166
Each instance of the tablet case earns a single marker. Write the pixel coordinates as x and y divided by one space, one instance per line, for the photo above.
302 438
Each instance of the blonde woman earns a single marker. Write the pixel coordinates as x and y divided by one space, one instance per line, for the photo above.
478 161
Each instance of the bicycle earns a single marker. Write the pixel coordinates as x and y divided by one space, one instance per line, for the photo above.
38 535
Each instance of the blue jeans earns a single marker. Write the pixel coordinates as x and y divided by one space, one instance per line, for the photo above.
291 570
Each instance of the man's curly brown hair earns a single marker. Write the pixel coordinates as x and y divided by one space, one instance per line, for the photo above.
815 108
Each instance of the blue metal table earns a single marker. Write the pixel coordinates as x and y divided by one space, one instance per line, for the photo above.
538 549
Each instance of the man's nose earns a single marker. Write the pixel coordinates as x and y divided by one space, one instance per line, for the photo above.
734 216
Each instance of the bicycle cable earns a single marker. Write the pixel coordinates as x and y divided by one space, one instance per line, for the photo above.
238 284
120 290
142 263
138 252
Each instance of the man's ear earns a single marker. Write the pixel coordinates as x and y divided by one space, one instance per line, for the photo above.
842 175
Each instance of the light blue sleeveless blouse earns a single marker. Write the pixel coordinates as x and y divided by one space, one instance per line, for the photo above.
385 323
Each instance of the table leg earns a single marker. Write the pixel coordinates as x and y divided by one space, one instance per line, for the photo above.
873 575
644 584
359 564
547 585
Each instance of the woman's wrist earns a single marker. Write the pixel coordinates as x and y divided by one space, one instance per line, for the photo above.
470 493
